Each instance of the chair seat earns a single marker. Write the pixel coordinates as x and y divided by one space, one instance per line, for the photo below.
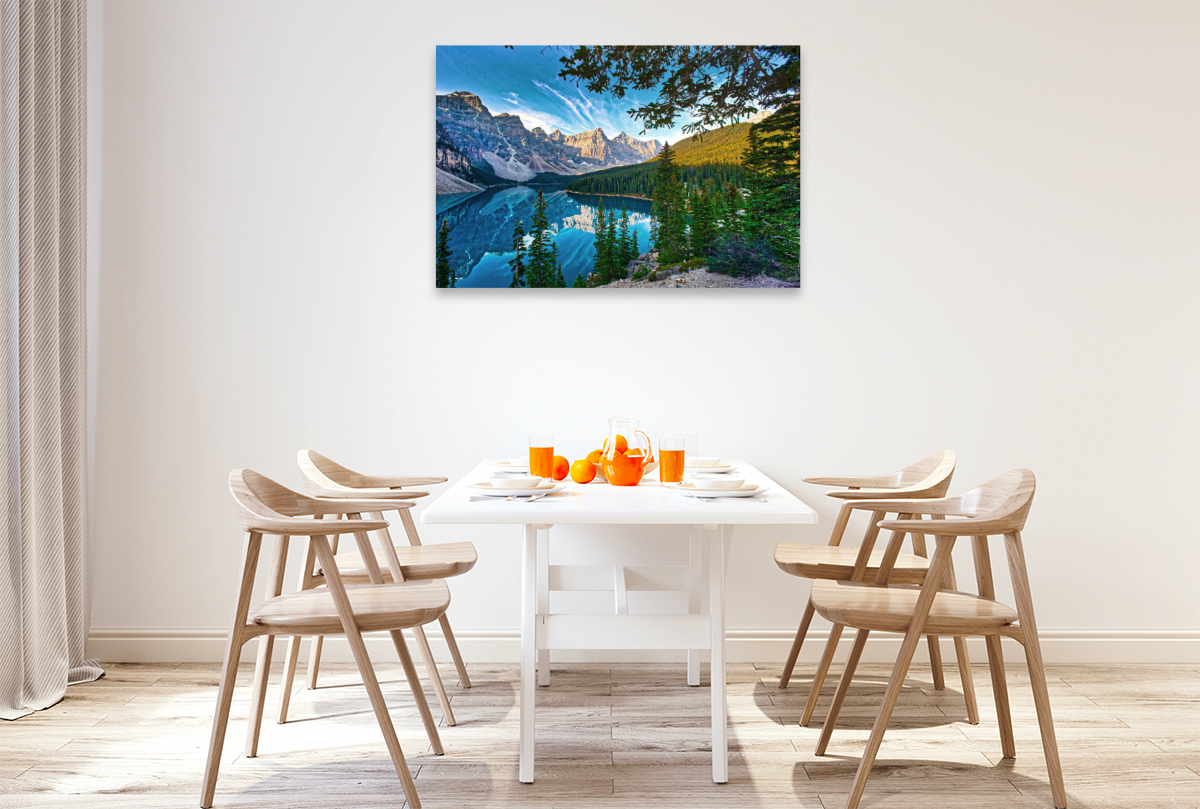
889 608
376 607
837 563
417 562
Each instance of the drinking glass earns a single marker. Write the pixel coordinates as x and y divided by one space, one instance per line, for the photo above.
671 455
541 455
691 452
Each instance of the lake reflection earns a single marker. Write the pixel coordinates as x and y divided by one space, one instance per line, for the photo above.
481 229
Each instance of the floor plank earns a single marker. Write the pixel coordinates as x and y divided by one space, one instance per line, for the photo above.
610 736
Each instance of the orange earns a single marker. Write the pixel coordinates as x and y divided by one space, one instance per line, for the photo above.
560 467
622 444
583 471
635 451
595 455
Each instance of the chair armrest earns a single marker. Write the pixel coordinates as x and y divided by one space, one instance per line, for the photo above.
370 494
915 505
348 505
949 528
309 528
855 481
397 481
878 494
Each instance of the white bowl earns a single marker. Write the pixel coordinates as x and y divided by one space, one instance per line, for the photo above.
723 483
518 482
519 461
700 463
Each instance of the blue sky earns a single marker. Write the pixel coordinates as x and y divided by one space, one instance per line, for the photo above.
525 82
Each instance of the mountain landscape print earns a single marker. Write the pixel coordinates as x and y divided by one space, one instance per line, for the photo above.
618 166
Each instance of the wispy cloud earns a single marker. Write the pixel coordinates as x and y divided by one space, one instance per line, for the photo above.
584 117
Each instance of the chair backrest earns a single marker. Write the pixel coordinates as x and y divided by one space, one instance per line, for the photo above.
928 477
999 506
932 470
260 500
322 473
327 478
1003 501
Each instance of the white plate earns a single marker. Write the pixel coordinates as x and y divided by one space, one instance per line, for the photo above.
709 470
747 490
708 465
498 489
509 466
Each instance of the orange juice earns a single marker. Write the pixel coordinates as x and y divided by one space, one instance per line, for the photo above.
541 461
670 465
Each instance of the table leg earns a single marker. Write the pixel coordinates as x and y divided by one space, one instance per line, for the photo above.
543 599
695 564
720 536
529 599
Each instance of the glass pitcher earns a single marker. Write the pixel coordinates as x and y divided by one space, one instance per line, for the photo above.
628 453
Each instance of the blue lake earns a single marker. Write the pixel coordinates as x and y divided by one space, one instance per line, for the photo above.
481 229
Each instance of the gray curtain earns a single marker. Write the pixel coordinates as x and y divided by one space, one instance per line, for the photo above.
43 496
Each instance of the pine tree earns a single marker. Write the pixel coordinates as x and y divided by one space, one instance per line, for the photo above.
556 279
623 247
518 261
538 265
669 209
612 248
776 211
445 275
599 264
703 232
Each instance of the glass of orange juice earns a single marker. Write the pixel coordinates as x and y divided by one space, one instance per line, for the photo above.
670 457
541 455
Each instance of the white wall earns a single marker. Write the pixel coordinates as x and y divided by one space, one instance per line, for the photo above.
1001 206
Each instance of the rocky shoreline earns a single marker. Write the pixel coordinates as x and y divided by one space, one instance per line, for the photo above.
698 278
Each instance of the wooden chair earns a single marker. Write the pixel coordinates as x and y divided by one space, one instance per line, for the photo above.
928 477
406 563
264 507
998 507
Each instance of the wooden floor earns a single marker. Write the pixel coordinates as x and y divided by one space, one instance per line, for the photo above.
610 736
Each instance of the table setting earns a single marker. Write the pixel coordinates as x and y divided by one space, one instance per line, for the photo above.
631 479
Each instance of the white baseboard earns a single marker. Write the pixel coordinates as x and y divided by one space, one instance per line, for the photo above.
742 646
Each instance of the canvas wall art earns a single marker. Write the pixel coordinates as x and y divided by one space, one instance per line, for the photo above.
618 166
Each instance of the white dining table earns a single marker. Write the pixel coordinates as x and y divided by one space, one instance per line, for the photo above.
597 503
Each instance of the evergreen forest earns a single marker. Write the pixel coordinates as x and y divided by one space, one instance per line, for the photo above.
740 220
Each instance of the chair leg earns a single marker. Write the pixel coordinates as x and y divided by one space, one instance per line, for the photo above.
935 662
790 663
289 676
835 634
968 682
233 651
414 684
935 647
1037 669
314 661
220 721
367 672
464 679
262 667
895 685
1008 742
860 643
964 658
258 694
434 676
912 638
